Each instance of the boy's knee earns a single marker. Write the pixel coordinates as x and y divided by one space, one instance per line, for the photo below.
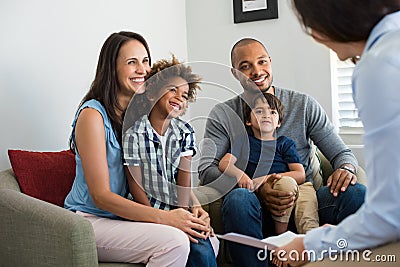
287 184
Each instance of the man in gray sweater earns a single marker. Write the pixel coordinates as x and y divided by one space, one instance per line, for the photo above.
305 121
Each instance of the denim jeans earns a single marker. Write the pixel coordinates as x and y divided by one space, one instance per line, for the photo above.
242 213
201 254
333 210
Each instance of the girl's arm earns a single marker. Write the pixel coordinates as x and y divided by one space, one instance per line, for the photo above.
296 172
227 165
183 181
134 176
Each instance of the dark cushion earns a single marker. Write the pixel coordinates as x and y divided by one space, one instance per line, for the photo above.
47 176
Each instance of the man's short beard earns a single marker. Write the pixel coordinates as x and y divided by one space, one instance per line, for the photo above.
249 86
268 87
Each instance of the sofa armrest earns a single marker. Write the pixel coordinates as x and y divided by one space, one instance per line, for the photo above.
8 180
361 176
37 233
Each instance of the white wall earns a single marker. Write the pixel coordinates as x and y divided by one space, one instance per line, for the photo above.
49 52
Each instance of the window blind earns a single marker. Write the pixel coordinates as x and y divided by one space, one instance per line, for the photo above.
346 110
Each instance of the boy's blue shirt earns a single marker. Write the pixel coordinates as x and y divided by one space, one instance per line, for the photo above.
265 157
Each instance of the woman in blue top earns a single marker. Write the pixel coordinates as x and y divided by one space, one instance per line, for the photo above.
125 231
369 30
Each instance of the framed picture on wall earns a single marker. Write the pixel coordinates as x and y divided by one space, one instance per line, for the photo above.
252 10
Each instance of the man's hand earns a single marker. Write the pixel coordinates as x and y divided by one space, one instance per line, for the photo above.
340 180
276 201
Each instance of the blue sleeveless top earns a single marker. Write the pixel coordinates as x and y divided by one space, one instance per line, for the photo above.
79 198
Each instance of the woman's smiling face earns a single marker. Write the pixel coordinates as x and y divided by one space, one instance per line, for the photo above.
132 66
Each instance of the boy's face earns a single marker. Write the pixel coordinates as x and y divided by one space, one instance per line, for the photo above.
263 119
173 98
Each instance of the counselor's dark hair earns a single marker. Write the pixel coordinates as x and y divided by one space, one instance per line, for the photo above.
343 20
105 86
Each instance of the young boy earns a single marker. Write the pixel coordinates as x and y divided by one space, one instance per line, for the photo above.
159 147
266 153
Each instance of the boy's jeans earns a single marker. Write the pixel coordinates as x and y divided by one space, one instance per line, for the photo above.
201 254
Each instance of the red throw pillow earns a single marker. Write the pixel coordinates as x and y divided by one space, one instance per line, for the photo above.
44 175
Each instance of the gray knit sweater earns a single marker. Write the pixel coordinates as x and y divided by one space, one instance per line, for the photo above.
304 120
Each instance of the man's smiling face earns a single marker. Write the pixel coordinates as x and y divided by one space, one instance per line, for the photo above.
254 62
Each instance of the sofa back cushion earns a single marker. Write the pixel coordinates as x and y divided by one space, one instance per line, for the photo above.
47 176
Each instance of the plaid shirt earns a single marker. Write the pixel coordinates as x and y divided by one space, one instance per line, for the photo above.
143 148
